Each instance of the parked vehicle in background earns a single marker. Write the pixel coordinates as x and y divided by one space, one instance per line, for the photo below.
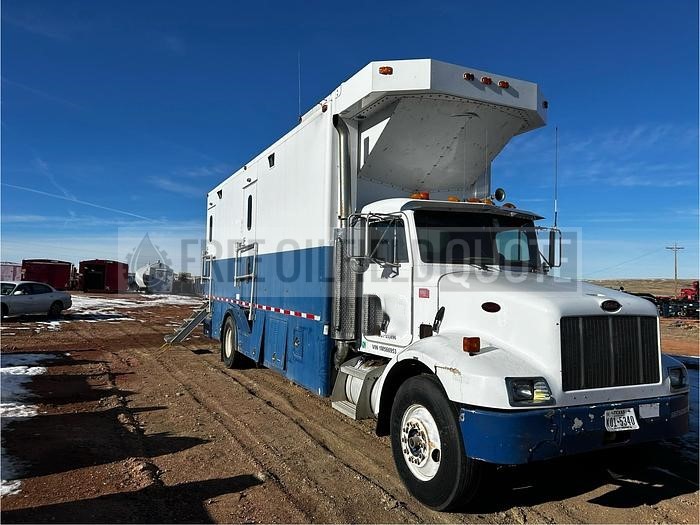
28 297
685 304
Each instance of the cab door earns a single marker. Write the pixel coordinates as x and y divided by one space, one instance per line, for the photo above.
387 319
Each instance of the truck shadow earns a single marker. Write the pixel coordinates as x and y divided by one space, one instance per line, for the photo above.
156 503
642 475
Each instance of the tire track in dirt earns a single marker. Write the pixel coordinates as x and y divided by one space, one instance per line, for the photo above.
289 459
346 441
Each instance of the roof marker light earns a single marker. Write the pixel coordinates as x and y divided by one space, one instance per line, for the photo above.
503 84
454 198
386 70
486 80
469 76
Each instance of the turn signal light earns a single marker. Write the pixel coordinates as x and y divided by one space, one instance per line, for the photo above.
386 70
503 84
471 345
486 80
421 195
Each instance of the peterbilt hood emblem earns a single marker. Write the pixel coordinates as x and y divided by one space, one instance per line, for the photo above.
610 305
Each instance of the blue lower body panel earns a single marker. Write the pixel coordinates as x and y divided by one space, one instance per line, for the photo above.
291 312
517 437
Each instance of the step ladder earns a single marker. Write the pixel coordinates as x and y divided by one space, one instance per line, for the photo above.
188 326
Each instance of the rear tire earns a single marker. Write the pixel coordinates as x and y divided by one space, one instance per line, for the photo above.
427 446
55 309
229 344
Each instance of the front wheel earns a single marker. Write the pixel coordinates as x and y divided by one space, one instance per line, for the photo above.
427 446
229 344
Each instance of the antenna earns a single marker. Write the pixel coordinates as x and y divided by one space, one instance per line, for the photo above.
299 83
556 174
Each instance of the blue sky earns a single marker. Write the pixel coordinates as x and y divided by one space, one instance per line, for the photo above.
117 117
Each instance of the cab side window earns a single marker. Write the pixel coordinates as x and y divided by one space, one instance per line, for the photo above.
388 238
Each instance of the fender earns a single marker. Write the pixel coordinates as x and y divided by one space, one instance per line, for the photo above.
474 380
249 340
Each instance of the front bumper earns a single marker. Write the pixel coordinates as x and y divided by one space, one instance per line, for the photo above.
517 437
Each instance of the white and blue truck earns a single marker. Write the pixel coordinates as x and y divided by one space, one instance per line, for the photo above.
365 256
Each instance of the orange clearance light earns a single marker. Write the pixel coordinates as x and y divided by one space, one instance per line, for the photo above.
386 70
503 84
420 195
509 205
487 201
473 199
486 80
469 76
471 345
454 198
424 195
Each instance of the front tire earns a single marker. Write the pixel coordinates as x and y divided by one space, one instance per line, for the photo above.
229 345
427 446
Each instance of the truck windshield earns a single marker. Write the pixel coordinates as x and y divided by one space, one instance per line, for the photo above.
476 238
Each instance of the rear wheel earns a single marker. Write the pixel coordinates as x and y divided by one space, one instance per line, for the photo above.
55 309
427 446
229 345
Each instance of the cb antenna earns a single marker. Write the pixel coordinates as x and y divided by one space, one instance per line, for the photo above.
556 173
299 83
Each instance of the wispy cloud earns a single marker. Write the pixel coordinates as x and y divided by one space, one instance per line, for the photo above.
173 186
173 43
43 168
78 201
39 24
637 156
42 94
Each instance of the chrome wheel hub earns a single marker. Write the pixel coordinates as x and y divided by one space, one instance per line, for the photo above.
420 442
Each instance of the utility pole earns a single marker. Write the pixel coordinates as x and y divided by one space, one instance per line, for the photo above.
675 249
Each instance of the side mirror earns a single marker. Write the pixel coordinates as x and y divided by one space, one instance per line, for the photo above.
554 239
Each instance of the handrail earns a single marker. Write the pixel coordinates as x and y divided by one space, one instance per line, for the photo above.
240 249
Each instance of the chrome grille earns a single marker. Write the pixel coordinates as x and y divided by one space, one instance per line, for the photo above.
608 350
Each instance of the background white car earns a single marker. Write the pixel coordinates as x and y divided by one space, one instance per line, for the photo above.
29 297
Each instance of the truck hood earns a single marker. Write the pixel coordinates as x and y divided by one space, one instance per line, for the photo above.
531 306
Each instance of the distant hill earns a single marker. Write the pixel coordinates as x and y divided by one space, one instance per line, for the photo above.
652 286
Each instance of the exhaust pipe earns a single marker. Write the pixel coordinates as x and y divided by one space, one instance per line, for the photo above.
344 186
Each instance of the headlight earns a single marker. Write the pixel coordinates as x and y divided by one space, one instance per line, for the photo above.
528 391
678 377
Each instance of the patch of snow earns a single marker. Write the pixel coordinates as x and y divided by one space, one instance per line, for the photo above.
16 370
9 487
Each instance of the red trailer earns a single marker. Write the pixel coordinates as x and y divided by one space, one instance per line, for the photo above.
98 275
55 273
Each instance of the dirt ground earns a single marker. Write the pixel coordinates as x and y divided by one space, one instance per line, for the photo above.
130 433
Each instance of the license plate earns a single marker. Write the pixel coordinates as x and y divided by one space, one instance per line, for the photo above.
620 419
